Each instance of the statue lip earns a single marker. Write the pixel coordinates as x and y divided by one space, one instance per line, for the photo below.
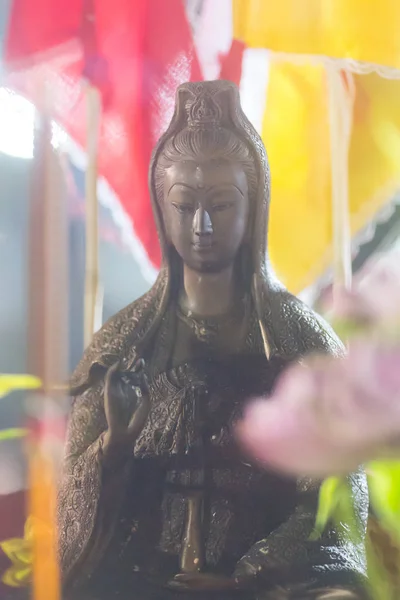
203 244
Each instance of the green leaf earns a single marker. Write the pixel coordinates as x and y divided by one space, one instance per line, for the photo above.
348 328
384 486
328 499
336 504
18 550
379 584
345 515
18 576
12 434
9 383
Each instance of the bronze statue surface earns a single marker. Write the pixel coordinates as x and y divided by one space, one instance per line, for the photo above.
156 500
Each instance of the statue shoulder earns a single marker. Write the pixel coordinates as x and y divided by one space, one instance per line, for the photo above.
114 341
300 330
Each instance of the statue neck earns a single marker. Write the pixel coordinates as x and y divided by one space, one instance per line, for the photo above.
208 294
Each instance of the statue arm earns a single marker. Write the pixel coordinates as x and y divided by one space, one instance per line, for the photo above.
89 488
299 331
288 554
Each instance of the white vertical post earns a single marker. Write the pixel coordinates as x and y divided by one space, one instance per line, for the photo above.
92 296
48 350
341 102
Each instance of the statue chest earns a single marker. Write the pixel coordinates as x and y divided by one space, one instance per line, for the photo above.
190 484
195 408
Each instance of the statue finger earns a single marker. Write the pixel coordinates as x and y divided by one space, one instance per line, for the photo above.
112 406
139 418
138 366
139 384
145 385
109 376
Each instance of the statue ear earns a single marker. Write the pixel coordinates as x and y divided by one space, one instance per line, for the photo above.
162 221
249 228
246 264
165 228
247 235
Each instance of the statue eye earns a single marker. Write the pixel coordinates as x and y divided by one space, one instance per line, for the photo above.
222 206
183 208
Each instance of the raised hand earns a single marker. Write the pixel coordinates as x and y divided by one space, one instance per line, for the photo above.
119 432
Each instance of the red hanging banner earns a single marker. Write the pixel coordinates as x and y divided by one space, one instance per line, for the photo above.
135 52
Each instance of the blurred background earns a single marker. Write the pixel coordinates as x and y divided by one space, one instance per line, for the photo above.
125 271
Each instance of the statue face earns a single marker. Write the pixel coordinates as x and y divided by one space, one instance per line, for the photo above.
206 208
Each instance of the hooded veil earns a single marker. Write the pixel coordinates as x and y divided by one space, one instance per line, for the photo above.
287 326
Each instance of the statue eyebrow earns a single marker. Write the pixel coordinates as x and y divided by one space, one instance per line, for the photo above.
207 189
185 185
221 185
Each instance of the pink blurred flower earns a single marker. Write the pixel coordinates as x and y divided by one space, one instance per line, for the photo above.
349 306
328 415
375 295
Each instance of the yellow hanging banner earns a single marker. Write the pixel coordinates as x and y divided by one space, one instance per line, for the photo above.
296 134
296 120
354 29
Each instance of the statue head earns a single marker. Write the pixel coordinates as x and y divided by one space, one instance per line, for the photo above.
206 180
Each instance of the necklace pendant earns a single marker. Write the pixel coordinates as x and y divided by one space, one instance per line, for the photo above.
205 333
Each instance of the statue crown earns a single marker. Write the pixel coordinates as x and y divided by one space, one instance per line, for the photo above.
202 110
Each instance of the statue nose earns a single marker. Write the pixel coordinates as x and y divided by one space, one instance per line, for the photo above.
202 224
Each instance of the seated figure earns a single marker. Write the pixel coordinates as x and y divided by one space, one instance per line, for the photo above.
157 500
